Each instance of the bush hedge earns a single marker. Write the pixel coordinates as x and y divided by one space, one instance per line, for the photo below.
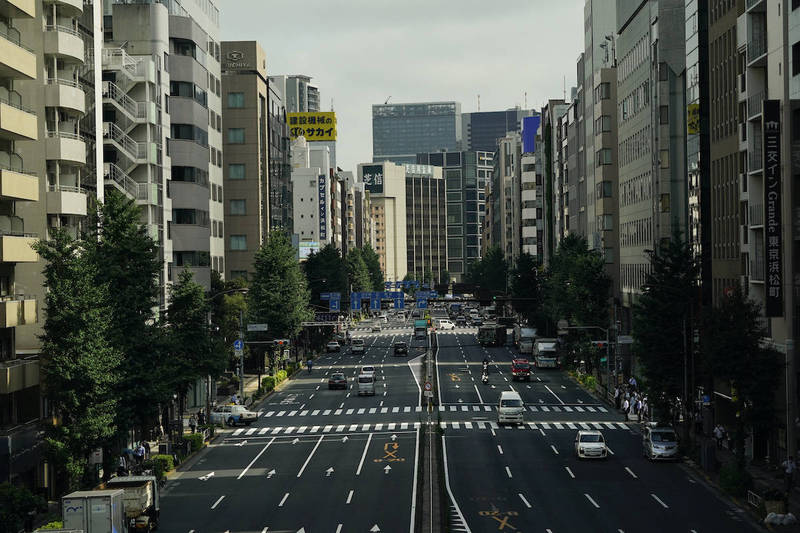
270 382
734 480
160 464
58 524
196 439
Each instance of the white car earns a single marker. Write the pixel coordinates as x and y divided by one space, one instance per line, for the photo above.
446 324
368 370
590 444
332 346
232 415
357 346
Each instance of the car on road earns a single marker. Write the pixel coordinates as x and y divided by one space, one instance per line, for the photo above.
376 327
476 322
357 346
232 415
461 322
659 443
446 324
415 313
368 369
333 346
400 348
341 338
366 385
590 444
511 409
337 381
520 369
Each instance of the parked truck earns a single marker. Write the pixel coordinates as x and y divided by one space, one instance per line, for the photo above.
492 335
141 501
524 338
545 353
94 511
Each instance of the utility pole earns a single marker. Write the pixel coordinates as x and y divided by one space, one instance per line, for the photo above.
241 359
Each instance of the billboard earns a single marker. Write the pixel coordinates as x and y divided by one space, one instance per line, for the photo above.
530 126
773 245
323 209
314 126
372 177
693 119
306 248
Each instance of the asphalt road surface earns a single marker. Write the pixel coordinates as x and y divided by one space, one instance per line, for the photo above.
322 460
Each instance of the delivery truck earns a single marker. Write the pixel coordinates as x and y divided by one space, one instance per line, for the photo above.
94 511
141 500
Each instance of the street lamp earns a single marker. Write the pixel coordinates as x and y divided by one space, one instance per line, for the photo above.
240 370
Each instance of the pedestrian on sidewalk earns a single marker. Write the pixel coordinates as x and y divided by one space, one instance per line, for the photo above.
234 399
146 450
719 434
201 417
193 423
616 397
632 383
626 407
638 406
138 454
788 474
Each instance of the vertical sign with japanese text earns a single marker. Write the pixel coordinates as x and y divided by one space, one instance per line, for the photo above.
323 208
773 231
372 176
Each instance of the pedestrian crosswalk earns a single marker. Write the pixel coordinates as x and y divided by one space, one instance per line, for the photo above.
474 408
411 426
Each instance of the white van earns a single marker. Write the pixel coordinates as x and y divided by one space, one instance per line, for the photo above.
366 384
511 408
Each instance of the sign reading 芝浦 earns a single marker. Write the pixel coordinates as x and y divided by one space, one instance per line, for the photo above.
314 126
773 251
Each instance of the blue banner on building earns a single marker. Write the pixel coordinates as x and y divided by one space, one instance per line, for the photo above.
323 209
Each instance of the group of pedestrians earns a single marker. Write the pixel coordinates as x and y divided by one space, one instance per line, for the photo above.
630 400
132 458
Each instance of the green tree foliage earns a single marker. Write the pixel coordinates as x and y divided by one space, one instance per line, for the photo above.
427 276
278 292
358 276
325 272
444 277
731 345
662 316
15 504
127 262
490 272
373 263
525 286
81 367
225 311
577 287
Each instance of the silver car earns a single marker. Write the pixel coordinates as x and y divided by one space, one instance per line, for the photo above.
659 443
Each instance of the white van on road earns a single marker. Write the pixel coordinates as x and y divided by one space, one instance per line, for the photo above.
511 409
366 384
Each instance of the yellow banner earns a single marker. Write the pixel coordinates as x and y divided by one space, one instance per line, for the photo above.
693 119
314 126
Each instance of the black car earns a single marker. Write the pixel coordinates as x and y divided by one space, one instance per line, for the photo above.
337 381
461 322
400 348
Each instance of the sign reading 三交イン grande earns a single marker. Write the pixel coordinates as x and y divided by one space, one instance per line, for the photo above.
372 176
323 209
773 232
314 126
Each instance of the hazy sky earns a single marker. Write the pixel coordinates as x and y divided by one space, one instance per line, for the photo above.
361 52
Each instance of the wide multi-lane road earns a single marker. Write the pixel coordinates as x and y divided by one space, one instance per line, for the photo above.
320 460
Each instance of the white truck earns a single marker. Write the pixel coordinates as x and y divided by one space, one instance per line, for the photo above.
524 338
545 353
94 511
141 501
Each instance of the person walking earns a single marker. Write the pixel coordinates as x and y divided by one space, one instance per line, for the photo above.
201 417
719 434
138 454
788 474
626 407
617 396
193 423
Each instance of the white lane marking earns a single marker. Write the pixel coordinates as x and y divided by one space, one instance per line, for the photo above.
255 458
591 500
508 472
349 497
526 502
339 528
283 500
364 455
217 502
554 449
609 450
569 472
414 485
628 470
447 485
554 394
500 449
308 459
480 399
656 498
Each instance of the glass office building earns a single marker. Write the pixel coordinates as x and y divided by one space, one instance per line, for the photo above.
480 130
401 131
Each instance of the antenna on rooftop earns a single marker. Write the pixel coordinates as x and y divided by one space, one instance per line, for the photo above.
387 100
565 88
479 102
525 100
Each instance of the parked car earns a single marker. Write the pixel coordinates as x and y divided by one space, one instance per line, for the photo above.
357 346
590 444
337 381
659 443
333 346
232 415
400 348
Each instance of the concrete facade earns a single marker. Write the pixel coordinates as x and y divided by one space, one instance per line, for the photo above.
427 217
388 213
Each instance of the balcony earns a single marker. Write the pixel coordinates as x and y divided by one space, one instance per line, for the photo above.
72 8
16 60
16 185
18 312
16 122
17 9
65 146
66 200
16 246
757 51
755 214
66 94
18 374
755 105
64 42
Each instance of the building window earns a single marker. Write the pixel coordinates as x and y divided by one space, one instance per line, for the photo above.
235 171
603 157
238 207
602 124
795 58
603 91
235 100
190 174
238 242
239 274
236 135
187 132
663 114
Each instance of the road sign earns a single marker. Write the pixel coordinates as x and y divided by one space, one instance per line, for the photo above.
238 354
355 302
375 304
334 305
399 303
428 394
324 296
422 303
624 339
428 385
238 344
256 327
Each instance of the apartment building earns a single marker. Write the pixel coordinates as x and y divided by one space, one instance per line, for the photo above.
386 184
426 222
550 156
505 196
481 129
531 190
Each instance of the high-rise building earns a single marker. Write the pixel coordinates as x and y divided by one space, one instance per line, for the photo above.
248 163
576 159
401 131
314 191
426 227
386 184
551 155
280 168
531 189
466 175
299 96
481 129
506 220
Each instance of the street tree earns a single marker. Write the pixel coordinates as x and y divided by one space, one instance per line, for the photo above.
15 505
662 319
490 272
358 276
278 293
325 271
733 350
82 363
372 260
444 277
225 311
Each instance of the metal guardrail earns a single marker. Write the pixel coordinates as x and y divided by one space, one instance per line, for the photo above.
64 81
62 29
64 135
65 188
754 499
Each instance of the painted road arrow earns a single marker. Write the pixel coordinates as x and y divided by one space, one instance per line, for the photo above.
394 437
386 469
270 473
242 443
295 441
329 471
344 439
375 528
207 476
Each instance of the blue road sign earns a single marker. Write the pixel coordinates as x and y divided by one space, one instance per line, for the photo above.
388 284
334 305
238 344
399 303
422 303
324 296
355 302
398 284
335 295
375 304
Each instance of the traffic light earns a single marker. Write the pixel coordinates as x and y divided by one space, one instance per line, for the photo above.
281 343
